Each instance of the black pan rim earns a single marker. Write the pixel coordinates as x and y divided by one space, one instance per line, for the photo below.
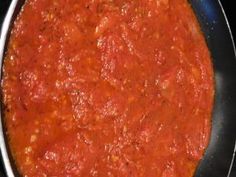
233 43
222 11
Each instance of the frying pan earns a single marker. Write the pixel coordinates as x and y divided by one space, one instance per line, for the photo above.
218 158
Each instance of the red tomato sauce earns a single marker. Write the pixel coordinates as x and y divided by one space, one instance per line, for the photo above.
107 88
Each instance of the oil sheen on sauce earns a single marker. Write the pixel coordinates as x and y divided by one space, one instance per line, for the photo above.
107 88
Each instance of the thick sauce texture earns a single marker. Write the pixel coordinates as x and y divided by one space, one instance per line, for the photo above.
107 88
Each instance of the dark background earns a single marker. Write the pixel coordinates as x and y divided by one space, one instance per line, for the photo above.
229 10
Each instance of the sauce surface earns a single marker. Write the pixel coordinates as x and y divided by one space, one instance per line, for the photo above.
107 88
